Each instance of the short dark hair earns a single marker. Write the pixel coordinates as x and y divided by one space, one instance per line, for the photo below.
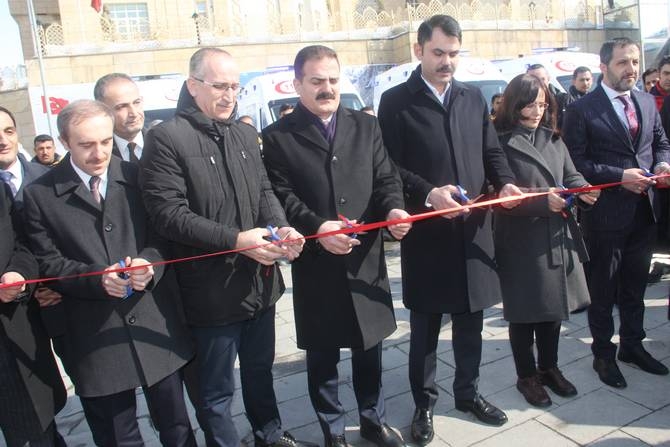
495 96
521 91
309 53
286 106
79 110
665 60
42 138
447 24
367 109
607 49
532 67
11 116
648 72
579 70
103 82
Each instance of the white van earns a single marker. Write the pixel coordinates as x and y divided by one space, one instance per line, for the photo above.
262 96
160 95
559 64
474 71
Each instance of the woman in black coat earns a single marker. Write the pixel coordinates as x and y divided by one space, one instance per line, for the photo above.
539 248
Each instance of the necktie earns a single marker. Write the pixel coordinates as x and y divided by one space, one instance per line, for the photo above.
94 183
7 178
631 116
131 153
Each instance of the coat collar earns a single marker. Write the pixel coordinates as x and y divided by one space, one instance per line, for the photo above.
66 180
416 85
519 142
301 124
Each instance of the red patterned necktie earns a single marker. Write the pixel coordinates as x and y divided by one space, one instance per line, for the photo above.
631 116
94 183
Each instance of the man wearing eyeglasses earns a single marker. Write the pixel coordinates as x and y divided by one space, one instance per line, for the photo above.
207 191
120 93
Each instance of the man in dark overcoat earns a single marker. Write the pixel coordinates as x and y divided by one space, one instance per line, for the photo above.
86 215
324 161
438 132
615 134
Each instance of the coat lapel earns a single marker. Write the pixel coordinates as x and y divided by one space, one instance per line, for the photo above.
66 181
343 134
302 125
611 118
521 144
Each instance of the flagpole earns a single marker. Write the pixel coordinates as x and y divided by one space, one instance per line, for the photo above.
37 47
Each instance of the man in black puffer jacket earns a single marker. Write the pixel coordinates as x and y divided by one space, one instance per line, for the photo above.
206 190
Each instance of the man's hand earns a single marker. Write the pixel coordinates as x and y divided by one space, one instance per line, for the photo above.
635 180
510 190
264 253
139 278
556 202
398 231
113 284
591 197
292 241
47 297
7 295
339 244
441 199
663 169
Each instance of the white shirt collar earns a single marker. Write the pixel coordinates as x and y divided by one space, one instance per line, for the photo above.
16 169
122 144
86 178
437 94
613 94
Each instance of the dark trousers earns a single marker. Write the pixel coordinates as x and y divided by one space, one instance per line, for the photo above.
617 273
217 348
545 335
467 343
19 422
322 381
113 418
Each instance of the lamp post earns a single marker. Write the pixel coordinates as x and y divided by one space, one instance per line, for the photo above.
197 27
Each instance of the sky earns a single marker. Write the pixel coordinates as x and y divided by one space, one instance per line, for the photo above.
9 35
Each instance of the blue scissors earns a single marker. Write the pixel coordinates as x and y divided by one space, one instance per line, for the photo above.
274 237
348 224
123 275
569 201
461 197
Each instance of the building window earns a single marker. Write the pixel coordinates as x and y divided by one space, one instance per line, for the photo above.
131 20
201 8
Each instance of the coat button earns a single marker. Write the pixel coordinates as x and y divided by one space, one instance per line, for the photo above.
334 159
109 227
343 200
132 319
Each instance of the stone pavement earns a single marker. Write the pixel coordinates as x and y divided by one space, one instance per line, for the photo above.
599 415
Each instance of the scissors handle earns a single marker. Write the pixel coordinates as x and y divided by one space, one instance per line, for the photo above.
348 224
274 236
123 275
461 196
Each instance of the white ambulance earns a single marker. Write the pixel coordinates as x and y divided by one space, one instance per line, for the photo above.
559 64
262 96
474 71
160 95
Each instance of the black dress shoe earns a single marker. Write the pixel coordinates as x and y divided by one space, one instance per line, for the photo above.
336 441
609 372
640 357
482 410
422 426
382 436
533 391
285 440
553 378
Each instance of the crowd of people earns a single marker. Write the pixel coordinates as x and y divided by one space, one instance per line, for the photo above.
101 221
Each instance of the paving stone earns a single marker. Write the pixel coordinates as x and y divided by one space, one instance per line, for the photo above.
653 429
618 439
643 388
528 434
592 416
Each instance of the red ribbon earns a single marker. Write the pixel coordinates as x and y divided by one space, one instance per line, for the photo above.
356 228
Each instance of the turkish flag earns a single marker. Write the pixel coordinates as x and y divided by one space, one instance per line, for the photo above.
96 4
